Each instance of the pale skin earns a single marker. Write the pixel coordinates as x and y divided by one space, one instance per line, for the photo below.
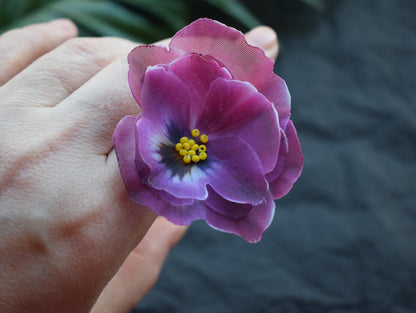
71 239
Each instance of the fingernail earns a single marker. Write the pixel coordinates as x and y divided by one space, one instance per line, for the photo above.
265 38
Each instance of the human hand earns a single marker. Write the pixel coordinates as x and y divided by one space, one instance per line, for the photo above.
66 221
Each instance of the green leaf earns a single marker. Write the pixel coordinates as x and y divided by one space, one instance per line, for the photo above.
139 20
174 13
105 18
316 4
11 10
237 11
98 18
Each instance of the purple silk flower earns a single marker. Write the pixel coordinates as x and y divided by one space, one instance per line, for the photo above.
213 140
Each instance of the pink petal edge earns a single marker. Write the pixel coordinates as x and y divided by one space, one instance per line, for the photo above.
293 165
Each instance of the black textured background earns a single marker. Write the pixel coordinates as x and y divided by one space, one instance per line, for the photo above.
344 238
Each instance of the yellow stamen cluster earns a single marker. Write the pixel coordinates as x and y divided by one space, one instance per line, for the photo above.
190 150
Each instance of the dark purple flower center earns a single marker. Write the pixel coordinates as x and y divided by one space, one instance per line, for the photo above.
180 162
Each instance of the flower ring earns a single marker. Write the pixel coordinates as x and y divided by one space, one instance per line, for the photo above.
213 140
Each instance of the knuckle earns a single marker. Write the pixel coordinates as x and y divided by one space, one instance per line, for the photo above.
85 49
81 46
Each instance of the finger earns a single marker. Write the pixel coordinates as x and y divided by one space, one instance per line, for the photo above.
75 62
265 38
140 270
20 47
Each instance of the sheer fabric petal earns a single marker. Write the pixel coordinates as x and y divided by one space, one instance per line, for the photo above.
250 228
293 165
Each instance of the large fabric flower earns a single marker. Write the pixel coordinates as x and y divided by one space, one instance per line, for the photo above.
214 140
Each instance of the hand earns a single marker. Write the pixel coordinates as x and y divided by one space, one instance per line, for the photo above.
68 228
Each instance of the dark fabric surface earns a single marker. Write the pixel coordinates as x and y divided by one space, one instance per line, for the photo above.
343 240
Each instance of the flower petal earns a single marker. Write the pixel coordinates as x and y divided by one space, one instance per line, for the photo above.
236 173
165 98
173 200
250 228
178 90
124 144
235 108
227 208
141 57
275 89
188 186
245 62
292 169
182 214
197 72
283 151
